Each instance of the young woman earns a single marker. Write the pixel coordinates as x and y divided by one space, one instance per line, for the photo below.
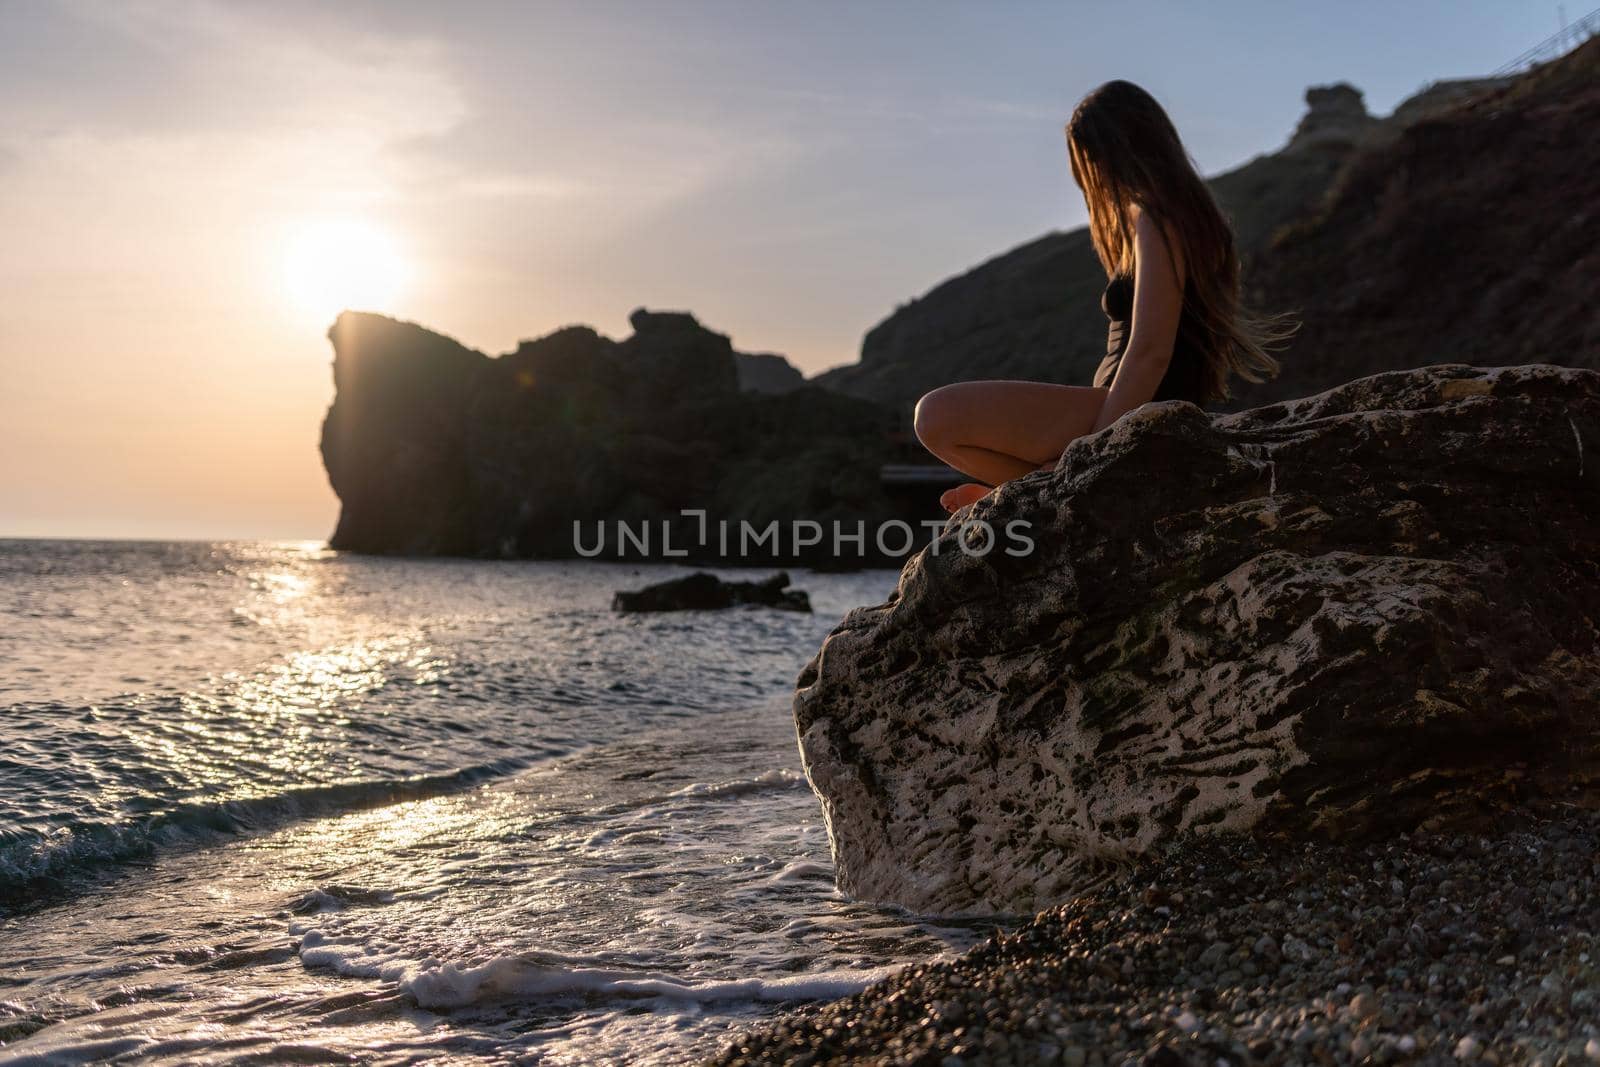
1177 330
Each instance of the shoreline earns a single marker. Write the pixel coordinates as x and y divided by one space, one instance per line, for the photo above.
1422 948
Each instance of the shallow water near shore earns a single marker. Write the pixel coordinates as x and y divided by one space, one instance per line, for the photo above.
264 800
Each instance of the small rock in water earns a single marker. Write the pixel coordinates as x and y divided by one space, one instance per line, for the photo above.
702 591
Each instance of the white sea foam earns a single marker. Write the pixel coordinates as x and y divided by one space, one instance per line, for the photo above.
800 871
646 875
444 984
778 778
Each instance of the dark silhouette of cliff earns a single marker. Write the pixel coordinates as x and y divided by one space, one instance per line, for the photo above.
1460 229
1468 236
434 448
1034 312
763 372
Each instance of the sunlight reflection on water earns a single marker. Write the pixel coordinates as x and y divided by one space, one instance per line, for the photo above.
392 808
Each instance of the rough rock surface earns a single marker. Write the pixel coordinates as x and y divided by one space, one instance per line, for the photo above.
702 591
1370 610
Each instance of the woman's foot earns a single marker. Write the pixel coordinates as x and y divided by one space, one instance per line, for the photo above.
962 495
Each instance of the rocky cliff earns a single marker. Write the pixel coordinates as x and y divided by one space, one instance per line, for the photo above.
434 448
1461 224
1460 220
1469 231
1372 610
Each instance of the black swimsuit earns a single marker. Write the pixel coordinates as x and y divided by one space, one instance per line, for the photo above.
1185 377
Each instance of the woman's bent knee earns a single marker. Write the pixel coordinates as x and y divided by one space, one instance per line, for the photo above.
939 413
929 421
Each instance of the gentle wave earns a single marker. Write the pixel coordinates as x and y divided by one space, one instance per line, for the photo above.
650 872
30 861
778 778
436 984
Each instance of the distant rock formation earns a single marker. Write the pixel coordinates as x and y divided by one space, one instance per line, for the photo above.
702 591
434 448
1335 114
1485 184
767 373
1371 610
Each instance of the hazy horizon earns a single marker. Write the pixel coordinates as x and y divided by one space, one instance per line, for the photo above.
192 190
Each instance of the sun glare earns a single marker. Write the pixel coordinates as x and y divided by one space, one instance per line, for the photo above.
333 265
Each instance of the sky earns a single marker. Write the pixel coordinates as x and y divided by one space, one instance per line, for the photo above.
191 190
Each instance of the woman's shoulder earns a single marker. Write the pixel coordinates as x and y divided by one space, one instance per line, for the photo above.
1148 234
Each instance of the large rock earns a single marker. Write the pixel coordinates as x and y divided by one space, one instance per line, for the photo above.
394 443
434 448
1369 610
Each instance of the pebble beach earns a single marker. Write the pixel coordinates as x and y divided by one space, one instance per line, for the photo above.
1425 948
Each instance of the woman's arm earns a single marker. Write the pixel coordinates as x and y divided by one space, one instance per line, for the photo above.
1157 305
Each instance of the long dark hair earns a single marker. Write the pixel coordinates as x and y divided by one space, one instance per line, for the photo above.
1125 151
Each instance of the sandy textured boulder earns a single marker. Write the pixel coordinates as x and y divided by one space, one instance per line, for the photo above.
1373 609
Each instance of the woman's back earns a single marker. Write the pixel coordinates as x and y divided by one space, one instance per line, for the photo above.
1185 376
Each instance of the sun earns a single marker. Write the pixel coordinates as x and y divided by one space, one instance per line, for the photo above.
332 265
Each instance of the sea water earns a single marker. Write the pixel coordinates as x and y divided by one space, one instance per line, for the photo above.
264 801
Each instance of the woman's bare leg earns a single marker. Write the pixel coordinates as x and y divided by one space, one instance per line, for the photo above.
999 430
